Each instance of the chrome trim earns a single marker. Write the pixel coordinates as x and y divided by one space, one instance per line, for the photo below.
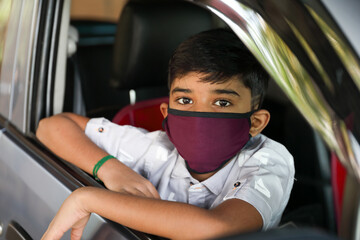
342 48
308 56
22 65
343 13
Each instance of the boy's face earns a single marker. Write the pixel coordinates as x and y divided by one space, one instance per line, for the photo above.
190 93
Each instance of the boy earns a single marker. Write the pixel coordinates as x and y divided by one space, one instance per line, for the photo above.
211 173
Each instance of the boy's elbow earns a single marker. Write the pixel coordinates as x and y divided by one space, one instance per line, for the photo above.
44 126
47 125
58 123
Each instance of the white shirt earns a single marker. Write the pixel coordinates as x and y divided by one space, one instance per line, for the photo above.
262 174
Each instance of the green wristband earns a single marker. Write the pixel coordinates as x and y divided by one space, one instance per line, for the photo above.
99 164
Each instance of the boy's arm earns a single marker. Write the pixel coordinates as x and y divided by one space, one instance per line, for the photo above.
64 134
164 218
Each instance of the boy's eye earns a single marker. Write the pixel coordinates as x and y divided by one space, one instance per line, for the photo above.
184 101
222 103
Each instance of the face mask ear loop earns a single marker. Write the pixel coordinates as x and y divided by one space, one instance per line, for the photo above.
250 114
164 121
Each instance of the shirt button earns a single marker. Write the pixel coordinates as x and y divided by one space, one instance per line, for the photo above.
100 129
237 184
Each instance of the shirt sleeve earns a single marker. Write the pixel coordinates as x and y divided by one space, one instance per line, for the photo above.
265 182
126 143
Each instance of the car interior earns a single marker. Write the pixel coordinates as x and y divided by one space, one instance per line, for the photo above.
119 71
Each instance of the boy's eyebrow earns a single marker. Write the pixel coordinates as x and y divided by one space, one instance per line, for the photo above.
226 91
183 90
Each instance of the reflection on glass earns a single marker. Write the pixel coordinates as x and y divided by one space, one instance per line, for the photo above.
351 63
313 58
5 6
5 87
284 67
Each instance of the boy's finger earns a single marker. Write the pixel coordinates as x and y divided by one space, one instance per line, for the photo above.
44 236
150 191
135 192
50 235
76 233
154 192
143 192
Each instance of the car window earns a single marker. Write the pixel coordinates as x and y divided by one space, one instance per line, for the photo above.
5 8
92 71
17 56
4 18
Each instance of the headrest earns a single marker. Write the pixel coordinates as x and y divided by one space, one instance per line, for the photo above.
148 33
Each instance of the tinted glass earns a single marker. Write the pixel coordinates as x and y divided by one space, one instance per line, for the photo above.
5 7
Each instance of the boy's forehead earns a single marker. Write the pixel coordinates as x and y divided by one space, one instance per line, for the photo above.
195 80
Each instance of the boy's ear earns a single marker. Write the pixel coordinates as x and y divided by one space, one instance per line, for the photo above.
259 120
164 109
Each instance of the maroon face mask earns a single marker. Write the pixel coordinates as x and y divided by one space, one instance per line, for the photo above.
207 140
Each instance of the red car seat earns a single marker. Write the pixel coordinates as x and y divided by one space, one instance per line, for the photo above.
338 176
145 114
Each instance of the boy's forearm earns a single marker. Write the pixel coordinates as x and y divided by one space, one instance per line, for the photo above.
64 135
164 218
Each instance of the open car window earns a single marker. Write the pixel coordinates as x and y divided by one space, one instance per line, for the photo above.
289 51
109 85
96 58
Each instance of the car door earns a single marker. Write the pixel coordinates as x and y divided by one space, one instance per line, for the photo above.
33 182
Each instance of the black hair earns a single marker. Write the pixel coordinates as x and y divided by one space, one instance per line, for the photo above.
220 55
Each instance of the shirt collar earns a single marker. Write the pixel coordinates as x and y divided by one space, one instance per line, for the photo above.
214 183
180 170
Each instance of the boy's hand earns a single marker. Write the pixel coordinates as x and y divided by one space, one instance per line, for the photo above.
120 178
71 214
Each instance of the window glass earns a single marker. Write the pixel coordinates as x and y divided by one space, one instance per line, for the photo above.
5 7
17 33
